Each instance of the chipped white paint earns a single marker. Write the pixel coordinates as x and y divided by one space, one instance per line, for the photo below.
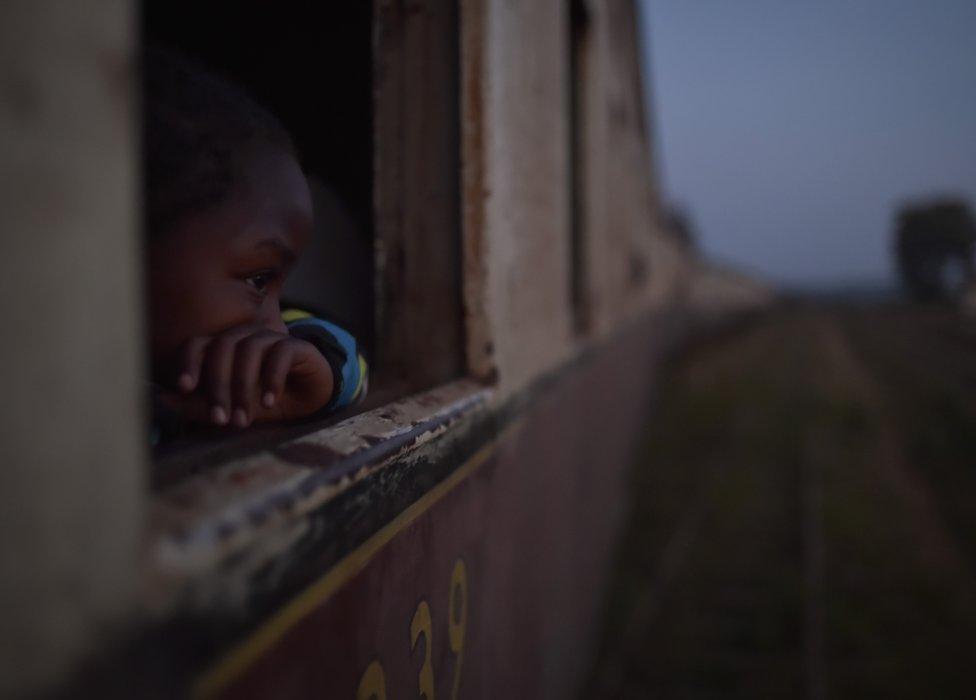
254 508
516 167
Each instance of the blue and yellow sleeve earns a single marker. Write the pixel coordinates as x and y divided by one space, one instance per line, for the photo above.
350 372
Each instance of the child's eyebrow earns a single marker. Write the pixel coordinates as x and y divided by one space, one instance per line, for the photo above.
280 247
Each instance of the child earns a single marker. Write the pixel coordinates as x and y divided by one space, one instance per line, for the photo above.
228 212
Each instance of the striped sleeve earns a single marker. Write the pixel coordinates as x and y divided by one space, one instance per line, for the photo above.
350 372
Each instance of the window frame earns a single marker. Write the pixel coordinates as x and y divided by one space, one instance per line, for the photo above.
417 193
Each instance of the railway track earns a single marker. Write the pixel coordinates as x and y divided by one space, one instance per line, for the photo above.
823 550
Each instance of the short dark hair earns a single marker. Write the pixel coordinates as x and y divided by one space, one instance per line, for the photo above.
197 130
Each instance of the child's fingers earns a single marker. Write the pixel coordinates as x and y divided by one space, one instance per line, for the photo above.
277 364
218 367
193 354
248 359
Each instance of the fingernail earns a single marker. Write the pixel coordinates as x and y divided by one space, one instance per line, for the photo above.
268 399
240 417
186 382
218 415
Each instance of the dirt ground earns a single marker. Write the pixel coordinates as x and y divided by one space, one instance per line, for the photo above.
803 520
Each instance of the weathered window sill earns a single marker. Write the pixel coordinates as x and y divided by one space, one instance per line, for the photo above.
209 533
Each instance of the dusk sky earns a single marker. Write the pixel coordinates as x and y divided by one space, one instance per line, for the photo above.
791 130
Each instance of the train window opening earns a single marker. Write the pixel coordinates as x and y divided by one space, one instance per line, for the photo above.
368 92
311 68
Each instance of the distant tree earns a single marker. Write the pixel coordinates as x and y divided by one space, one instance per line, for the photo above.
934 244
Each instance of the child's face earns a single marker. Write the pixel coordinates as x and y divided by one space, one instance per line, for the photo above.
225 267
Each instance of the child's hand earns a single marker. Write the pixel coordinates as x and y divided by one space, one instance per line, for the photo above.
250 375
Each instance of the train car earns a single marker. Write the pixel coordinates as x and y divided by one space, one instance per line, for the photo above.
492 162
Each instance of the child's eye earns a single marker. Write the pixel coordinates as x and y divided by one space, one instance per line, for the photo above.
261 281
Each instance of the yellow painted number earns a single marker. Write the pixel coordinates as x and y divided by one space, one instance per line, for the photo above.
457 619
372 686
421 625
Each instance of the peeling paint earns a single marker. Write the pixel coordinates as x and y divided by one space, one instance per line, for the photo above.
239 509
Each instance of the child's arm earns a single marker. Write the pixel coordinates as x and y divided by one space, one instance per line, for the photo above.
252 375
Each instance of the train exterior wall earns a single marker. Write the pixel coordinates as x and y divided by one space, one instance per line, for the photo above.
528 509
487 586
326 563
